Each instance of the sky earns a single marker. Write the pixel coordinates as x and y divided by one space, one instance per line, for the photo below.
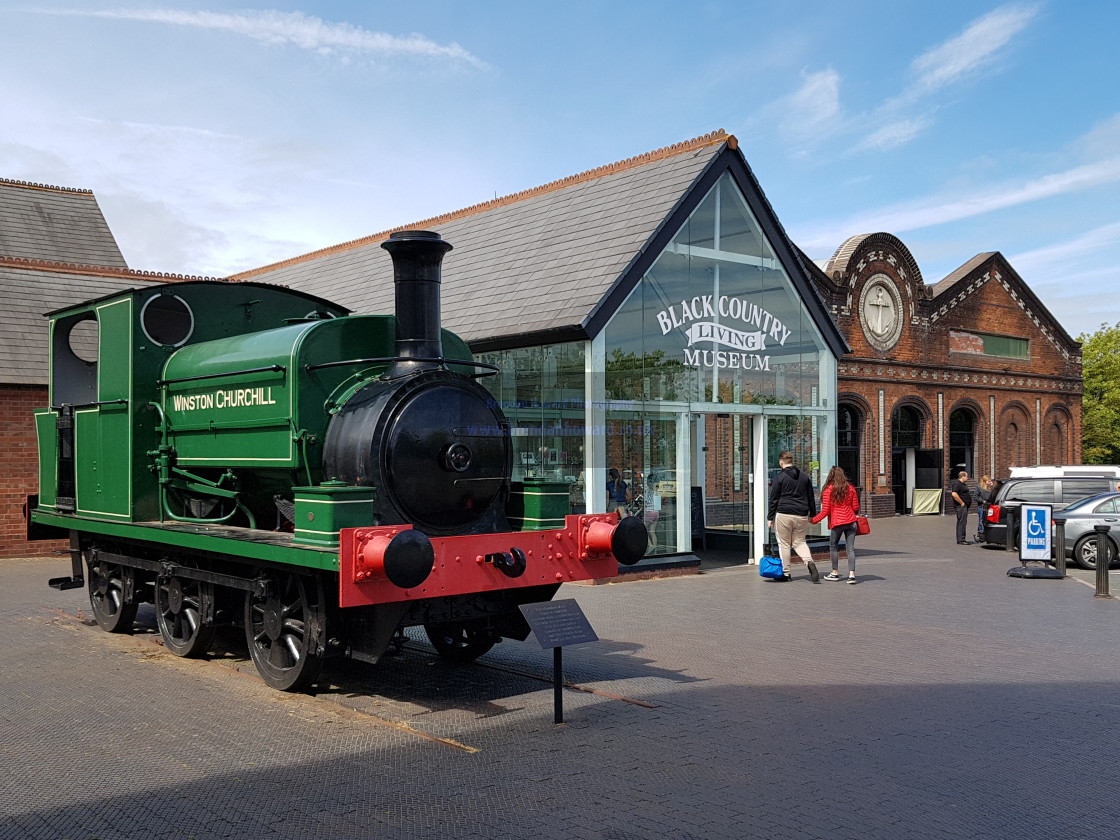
219 137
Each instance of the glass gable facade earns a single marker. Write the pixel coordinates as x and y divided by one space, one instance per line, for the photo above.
716 319
711 366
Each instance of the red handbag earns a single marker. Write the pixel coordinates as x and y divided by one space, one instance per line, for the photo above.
862 525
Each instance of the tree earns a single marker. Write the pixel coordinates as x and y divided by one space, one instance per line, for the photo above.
1100 405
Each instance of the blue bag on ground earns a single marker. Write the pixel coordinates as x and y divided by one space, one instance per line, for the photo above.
770 567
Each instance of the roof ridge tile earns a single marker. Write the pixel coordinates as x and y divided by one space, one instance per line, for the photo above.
34 186
97 270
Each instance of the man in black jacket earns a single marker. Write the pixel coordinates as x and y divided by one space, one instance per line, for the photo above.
962 498
791 504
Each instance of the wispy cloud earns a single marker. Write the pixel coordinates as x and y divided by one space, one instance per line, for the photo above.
895 134
815 113
976 47
290 28
1062 253
931 211
813 108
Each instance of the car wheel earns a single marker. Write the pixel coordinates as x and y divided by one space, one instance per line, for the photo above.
1085 552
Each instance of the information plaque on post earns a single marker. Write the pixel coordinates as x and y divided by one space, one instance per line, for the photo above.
555 624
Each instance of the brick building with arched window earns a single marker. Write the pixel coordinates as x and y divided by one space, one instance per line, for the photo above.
972 372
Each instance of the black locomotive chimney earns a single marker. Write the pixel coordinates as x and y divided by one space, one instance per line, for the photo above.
417 255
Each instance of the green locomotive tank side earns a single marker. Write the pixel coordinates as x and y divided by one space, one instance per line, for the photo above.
263 401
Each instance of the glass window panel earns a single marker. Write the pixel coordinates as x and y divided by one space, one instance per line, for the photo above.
738 232
541 391
716 319
1001 345
906 428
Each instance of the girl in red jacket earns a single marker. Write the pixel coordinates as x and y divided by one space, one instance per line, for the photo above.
840 503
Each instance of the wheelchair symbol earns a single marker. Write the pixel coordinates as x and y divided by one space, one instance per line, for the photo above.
1034 526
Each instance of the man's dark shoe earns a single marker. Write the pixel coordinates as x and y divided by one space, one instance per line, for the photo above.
813 573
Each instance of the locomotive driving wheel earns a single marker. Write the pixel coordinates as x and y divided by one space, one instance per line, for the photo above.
182 605
282 630
111 588
460 641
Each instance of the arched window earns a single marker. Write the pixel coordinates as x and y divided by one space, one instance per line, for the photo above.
1013 446
906 428
849 424
906 436
962 441
1057 443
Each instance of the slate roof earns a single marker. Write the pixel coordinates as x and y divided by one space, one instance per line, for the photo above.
28 292
55 249
58 224
963 271
535 262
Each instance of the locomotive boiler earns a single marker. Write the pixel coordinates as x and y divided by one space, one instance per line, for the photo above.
246 454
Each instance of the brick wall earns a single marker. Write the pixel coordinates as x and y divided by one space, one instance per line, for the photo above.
1024 411
19 469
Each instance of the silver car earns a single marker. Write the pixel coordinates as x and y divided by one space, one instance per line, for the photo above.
1081 538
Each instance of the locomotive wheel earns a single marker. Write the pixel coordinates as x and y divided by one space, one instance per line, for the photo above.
459 641
280 630
111 586
179 614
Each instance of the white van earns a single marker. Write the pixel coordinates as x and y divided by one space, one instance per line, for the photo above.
1060 471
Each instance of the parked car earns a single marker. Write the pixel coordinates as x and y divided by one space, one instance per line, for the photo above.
1061 470
1062 492
1080 536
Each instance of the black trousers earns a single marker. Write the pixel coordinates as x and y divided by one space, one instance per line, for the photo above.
962 523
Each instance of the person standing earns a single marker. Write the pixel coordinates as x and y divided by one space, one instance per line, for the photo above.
983 495
652 513
840 503
962 498
618 493
791 504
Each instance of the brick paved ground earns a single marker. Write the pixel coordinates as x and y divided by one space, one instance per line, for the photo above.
939 698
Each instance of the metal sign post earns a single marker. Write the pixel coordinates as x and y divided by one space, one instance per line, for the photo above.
555 624
1060 544
1103 548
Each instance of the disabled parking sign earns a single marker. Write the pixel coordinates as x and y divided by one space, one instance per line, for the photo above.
1034 532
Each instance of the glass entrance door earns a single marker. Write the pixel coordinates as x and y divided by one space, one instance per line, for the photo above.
725 445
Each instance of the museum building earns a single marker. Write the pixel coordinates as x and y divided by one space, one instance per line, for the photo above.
653 317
